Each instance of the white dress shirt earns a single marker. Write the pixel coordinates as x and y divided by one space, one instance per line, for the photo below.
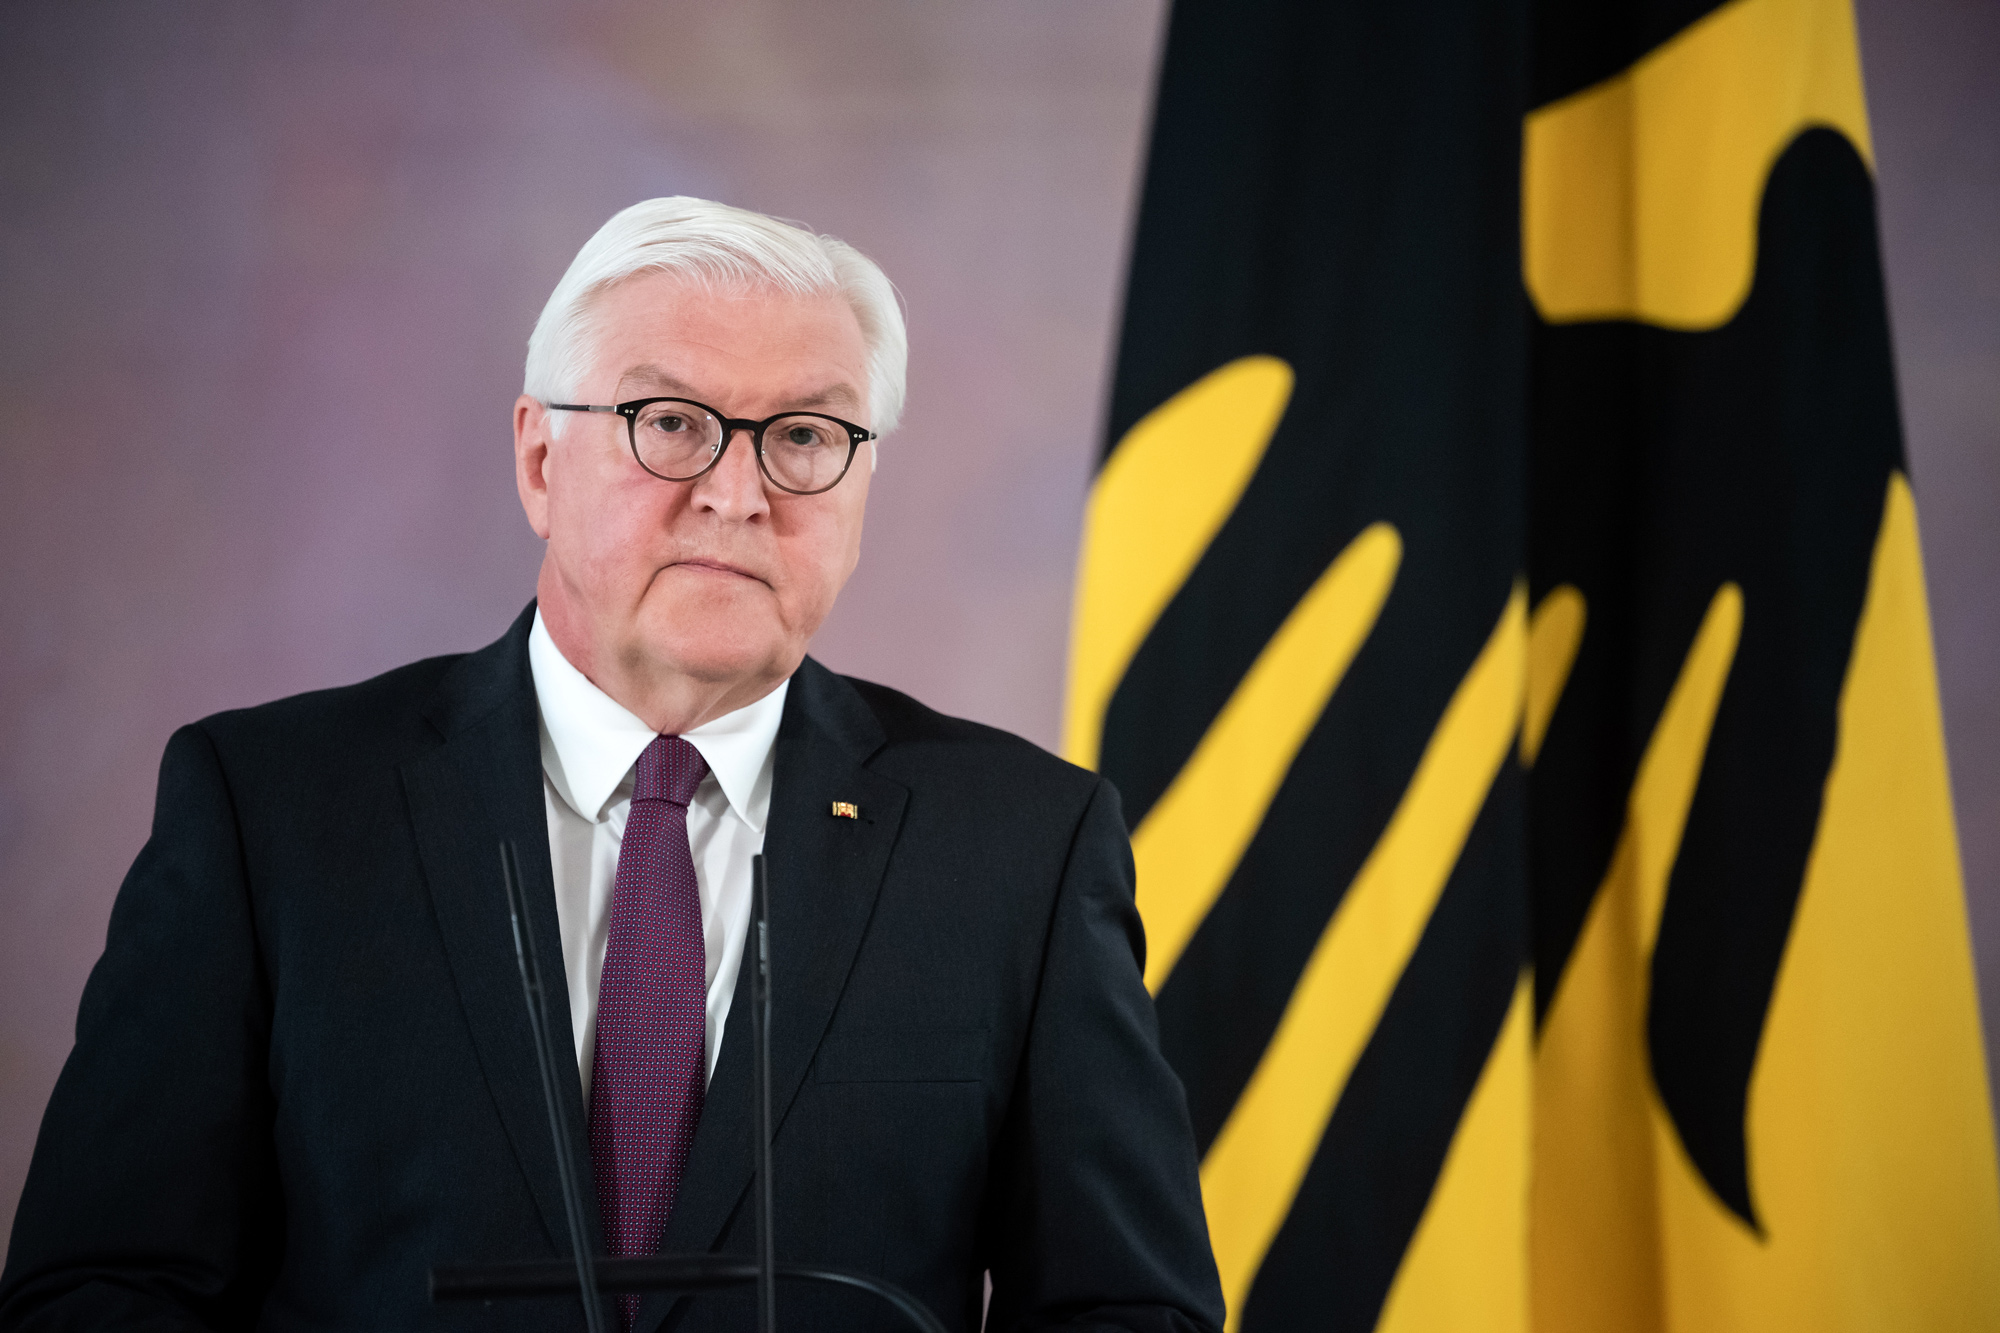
590 744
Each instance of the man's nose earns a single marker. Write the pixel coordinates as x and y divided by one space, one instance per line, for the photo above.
734 487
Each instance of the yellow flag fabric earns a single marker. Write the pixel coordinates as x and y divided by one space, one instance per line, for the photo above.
1867 1162
1501 610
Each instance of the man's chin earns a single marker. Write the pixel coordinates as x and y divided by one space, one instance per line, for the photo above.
725 668
718 646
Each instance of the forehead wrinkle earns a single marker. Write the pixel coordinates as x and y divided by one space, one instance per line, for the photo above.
653 377
832 394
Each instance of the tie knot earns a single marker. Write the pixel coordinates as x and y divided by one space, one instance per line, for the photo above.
668 770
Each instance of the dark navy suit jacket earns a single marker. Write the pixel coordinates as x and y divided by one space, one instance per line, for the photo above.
303 1071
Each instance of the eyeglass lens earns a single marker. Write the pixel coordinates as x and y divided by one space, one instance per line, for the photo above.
676 440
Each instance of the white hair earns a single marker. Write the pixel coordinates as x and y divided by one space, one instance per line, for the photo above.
726 247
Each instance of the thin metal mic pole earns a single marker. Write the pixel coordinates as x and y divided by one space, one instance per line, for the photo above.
760 1014
538 1023
667 1272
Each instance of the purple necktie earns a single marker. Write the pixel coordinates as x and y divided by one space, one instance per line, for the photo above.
649 1075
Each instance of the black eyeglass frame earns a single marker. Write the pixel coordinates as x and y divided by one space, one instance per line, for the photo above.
856 436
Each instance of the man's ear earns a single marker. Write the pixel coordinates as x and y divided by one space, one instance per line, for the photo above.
531 462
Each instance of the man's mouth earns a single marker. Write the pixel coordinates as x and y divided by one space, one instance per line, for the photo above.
716 567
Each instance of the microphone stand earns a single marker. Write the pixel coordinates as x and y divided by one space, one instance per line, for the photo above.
588 1275
530 964
760 1029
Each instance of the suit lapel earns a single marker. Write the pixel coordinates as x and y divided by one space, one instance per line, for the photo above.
481 785
825 873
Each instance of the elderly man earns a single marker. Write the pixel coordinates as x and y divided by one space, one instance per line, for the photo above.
303 1070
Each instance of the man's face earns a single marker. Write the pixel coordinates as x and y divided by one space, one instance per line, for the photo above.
713 585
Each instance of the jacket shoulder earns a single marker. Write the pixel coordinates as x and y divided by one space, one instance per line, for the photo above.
380 709
917 735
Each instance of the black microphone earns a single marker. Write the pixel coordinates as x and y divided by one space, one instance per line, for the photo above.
666 1272
530 964
760 1032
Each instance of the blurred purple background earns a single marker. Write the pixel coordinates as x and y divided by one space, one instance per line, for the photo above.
267 270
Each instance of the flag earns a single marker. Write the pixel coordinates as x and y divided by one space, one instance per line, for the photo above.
1299 647
1500 610
1760 1093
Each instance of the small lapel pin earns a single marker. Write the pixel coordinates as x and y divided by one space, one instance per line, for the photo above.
846 810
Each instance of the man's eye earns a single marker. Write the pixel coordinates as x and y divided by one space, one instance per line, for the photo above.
805 437
670 423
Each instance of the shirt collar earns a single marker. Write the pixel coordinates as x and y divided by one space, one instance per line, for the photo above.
590 741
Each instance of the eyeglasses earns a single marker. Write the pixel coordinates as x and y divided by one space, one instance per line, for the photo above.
678 439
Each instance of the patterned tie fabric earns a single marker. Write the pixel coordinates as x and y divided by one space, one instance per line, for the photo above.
649 1074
